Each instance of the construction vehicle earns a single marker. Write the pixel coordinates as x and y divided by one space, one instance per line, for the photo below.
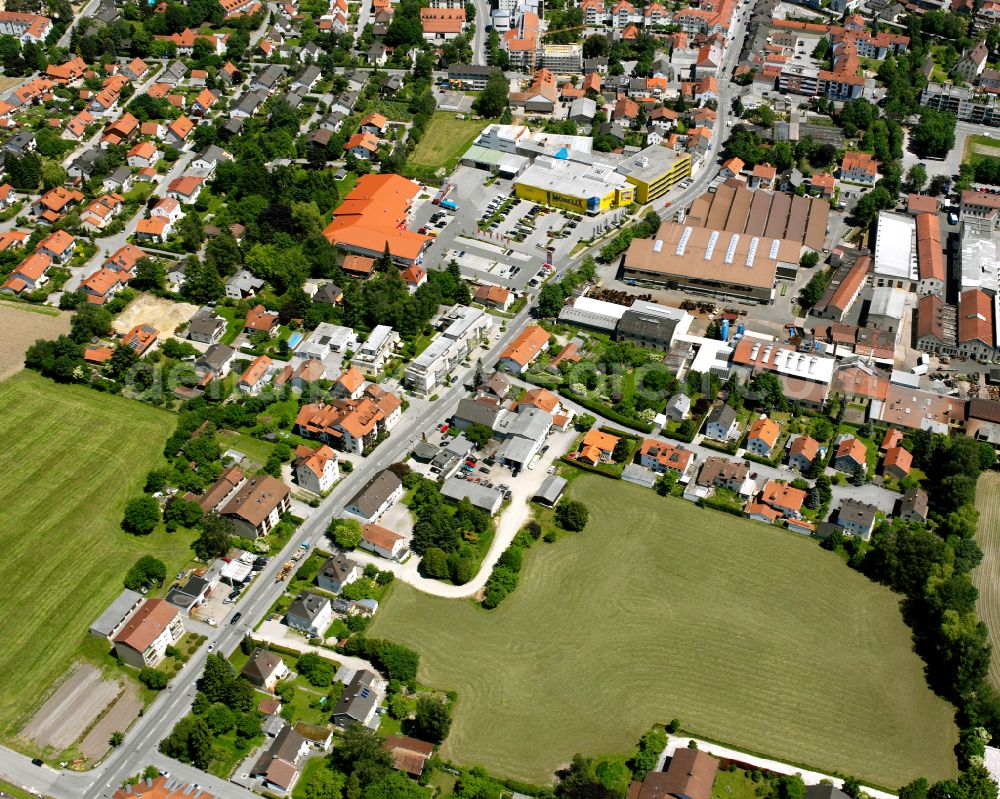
297 555
285 571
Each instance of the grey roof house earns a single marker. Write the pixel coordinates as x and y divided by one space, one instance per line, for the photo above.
360 700
310 613
487 499
336 572
376 497
206 326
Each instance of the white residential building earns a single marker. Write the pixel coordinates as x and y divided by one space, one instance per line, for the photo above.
465 328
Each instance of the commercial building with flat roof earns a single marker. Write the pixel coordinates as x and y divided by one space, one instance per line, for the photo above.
654 171
711 261
588 312
896 251
980 256
584 188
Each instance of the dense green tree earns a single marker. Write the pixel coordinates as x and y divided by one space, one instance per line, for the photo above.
146 570
141 516
432 720
934 135
345 533
572 515
493 99
216 536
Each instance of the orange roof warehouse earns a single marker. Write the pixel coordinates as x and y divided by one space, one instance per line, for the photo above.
375 214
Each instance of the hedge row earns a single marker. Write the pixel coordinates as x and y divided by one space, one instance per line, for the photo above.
715 504
506 574
608 413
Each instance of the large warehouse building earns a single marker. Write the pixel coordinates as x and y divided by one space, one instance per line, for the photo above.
734 208
574 185
715 262
374 215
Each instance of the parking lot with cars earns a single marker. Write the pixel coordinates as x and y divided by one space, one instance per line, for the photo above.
498 238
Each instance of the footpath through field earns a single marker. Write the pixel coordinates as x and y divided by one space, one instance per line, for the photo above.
513 518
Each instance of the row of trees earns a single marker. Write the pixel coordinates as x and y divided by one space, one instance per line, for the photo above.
224 702
930 566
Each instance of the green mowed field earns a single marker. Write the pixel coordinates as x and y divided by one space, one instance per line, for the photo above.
72 458
986 576
444 141
662 610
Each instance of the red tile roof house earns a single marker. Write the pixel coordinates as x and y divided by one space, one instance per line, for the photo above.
524 349
169 209
763 437
383 542
849 455
185 189
261 320
896 463
141 339
59 246
204 102
54 203
28 275
102 286
143 154
783 498
374 123
317 469
145 637
802 451
155 228
124 258
99 213
178 131
414 277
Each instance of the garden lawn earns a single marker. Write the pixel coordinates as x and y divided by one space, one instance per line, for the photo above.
444 141
659 610
72 457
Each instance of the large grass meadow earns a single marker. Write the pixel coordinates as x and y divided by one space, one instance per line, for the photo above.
987 575
658 610
71 459
445 140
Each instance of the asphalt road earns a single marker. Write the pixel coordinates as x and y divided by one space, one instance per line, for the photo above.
479 36
140 747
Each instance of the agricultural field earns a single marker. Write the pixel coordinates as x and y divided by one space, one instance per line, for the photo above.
987 575
20 327
72 458
748 635
444 141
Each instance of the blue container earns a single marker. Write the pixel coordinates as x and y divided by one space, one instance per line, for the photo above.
725 330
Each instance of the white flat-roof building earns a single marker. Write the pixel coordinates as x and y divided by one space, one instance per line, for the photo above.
374 352
887 308
464 328
980 259
325 339
588 312
896 252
